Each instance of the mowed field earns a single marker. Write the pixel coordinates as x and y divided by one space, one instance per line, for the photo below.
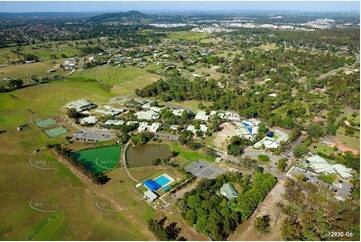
186 35
39 69
78 218
116 75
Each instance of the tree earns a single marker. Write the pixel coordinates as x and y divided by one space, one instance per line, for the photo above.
262 224
15 83
263 158
282 164
262 128
331 129
72 113
327 178
299 150
315 131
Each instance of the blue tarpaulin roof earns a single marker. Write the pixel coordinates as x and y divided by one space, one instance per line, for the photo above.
152 185
270 134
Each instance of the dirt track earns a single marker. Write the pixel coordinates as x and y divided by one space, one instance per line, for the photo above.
245 231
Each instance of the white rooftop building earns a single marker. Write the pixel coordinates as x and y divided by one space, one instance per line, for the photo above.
150 196
272 142
147 115
109 110
89 120
131 122
154 127
193 129
178 112
80 105
143 126
114 122
232 116
201 115
320 165
148 106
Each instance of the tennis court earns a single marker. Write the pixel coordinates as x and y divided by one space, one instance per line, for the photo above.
55 132
45 123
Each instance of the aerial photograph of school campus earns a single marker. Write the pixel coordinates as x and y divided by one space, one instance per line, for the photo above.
135 121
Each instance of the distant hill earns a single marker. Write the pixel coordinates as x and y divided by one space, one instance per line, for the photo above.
123 16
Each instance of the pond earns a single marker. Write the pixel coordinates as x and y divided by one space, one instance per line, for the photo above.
145 154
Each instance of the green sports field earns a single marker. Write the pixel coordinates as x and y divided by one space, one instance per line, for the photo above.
99 159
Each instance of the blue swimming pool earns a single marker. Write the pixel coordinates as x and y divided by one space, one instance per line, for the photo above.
246 124
162 180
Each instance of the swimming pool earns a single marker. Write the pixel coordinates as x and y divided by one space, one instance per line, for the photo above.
246 124
162 180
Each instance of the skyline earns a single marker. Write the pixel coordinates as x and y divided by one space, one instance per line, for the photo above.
178 6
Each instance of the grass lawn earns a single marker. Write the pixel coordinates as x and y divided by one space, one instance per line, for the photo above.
186 35
116 75
186 155
348 141
322 148
59 187
68 48
38 69
188 104
266 47
353 119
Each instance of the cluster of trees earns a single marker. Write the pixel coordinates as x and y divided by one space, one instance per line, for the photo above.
237 145
171 119
186 138
165 233
212 214
12 84
344 89
181 89
312 213
141 139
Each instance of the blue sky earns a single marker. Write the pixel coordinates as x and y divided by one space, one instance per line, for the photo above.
101 6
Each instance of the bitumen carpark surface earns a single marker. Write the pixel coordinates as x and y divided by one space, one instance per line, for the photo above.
342 190
203 169
93 135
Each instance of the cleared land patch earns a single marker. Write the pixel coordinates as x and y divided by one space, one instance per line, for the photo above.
115 75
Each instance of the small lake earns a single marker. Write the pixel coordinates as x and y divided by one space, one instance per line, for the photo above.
145 154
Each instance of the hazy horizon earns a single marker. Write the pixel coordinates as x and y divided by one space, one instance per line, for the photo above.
177 6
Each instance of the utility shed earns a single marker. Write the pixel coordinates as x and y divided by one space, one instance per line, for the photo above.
150 196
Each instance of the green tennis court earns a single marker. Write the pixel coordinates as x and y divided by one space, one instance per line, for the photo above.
45 123
55 132
99 159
